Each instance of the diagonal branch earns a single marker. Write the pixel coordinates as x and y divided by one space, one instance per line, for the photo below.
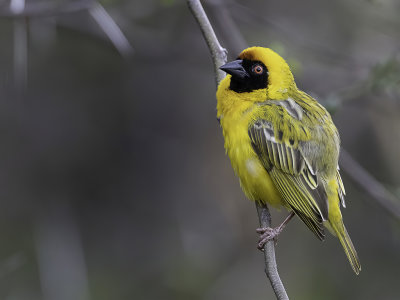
219 58
373 187
111 29
217 52
20 10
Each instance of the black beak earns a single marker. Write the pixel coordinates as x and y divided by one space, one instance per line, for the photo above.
235 68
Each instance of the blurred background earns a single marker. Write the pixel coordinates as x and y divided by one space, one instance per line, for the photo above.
114 180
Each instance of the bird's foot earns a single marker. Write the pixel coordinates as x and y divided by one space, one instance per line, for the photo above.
267 234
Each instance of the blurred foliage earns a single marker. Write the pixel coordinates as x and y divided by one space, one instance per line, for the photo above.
385 78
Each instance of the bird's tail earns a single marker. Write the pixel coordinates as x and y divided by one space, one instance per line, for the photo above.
347 244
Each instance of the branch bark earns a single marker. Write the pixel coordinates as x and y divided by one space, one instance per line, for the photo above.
219 55
271 268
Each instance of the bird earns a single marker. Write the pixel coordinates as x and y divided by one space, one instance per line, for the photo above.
283 145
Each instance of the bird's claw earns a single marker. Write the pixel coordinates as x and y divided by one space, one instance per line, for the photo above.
267 234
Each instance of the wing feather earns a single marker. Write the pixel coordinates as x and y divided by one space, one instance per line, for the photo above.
341 190
292 174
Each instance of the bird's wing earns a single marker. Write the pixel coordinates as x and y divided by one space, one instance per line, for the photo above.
293 174
341 190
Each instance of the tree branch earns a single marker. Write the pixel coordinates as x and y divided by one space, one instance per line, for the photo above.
217 52
111 29
45 9
373 187
219 58
20 10
271 268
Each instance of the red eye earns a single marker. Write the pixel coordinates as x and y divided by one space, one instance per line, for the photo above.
258 69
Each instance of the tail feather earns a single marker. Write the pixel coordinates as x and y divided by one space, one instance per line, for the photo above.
347 244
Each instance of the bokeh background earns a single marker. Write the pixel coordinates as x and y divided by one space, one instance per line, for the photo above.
114 181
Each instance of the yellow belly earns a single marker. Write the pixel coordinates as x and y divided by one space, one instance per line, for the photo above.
254 179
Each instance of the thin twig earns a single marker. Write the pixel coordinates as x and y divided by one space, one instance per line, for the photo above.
19 10
269 255
217 52
45 9
17 6
387 200
20 47
111 29
373 187
219 57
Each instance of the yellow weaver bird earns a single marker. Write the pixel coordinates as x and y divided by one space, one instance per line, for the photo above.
283 145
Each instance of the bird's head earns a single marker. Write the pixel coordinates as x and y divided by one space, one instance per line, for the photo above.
259 71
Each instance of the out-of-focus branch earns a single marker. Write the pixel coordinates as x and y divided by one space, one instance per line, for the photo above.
20 47
219 58
60 254
217 52
368 183
111 29
387 200
45 9
19 10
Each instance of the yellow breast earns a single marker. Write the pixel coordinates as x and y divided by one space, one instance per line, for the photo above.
254 179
